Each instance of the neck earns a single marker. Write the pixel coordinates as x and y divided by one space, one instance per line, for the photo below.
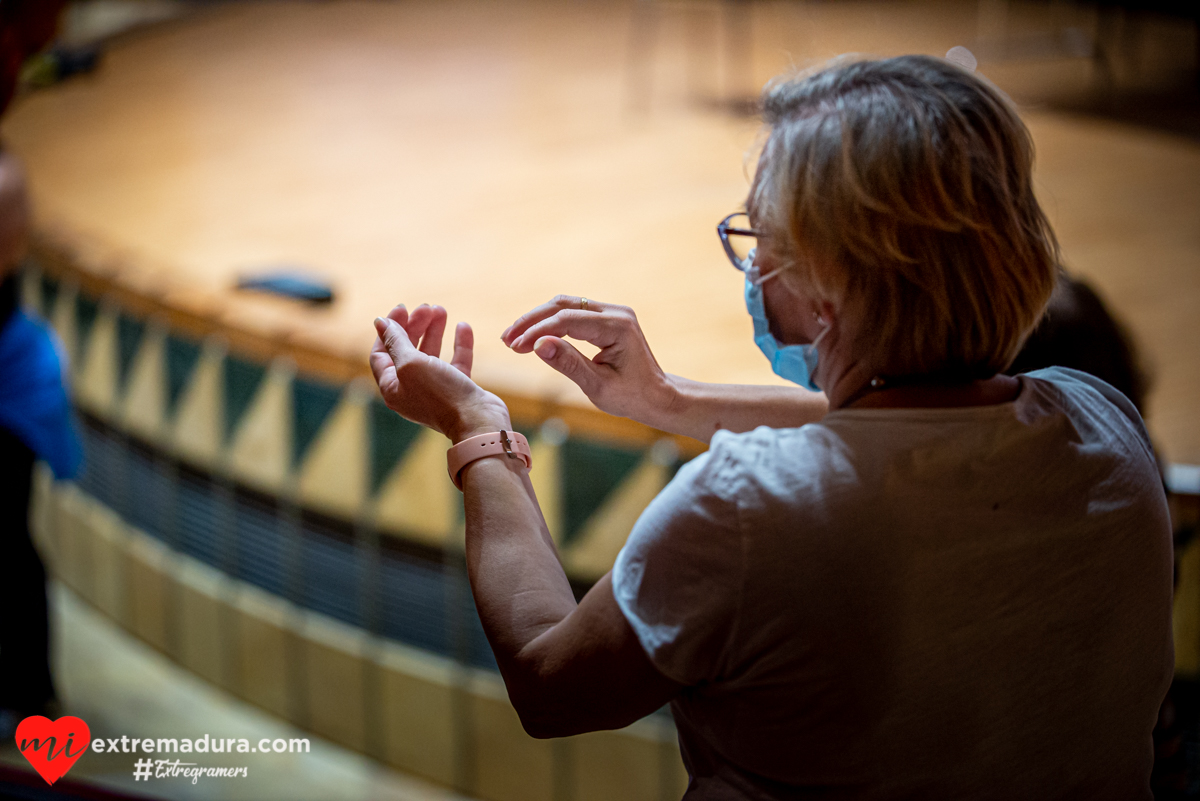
936 394
857 388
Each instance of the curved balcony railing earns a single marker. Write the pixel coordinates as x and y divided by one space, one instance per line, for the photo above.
282 471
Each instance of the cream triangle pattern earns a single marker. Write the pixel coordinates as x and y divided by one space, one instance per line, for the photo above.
417 499
260 451
594 550
144 406
546 477
198 428
96 389
333 476
63 319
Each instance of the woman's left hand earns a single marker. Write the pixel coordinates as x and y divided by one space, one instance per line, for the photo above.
416 384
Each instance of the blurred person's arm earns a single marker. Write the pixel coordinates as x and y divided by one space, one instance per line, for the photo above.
624 378
569 667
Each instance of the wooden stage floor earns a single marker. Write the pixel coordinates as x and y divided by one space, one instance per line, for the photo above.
484 156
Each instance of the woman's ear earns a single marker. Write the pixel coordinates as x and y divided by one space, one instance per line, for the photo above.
826 313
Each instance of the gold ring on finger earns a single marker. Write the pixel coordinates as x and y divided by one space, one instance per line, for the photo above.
583 304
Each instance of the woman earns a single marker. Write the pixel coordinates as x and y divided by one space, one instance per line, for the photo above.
955 584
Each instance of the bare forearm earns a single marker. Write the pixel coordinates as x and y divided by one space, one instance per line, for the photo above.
519 586
568 667
699 410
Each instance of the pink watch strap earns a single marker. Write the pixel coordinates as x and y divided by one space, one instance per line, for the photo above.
496 443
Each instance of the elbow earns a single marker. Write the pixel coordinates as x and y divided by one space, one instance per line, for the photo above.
542 728
543 705
547 724
541 718
546 715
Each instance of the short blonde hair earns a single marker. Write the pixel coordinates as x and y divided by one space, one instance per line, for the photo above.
901 189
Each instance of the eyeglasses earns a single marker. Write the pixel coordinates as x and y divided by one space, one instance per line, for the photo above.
738 239
741 242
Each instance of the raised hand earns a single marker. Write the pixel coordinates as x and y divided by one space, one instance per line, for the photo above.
622 379
415 382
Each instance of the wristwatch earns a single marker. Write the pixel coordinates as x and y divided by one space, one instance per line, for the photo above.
497 443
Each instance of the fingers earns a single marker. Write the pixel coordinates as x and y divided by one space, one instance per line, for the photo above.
425 321
557 304
431 343
423 329
599 329
418 322
381 362
382 366
464 349
399 314
563 357
396 342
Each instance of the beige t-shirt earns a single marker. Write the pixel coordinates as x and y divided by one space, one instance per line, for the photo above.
915 603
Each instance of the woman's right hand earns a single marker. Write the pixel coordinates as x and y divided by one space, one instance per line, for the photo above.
622 379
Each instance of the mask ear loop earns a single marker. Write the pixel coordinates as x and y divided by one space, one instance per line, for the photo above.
756 279
751 270
817 340
762 279
812 346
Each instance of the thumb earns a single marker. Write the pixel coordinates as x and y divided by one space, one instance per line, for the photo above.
563 357
394 338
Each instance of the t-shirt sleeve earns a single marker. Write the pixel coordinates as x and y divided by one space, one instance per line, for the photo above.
679 578
1065 376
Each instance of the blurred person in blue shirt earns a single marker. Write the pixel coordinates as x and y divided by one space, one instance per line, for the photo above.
35 423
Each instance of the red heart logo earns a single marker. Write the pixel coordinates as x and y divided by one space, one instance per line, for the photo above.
51 746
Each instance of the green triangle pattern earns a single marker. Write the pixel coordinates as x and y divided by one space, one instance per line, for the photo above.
390 437
129 337
241 382
86 310
49 295
590 473
182 355
312 401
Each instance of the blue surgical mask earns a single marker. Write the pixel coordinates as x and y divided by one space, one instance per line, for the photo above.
796 363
